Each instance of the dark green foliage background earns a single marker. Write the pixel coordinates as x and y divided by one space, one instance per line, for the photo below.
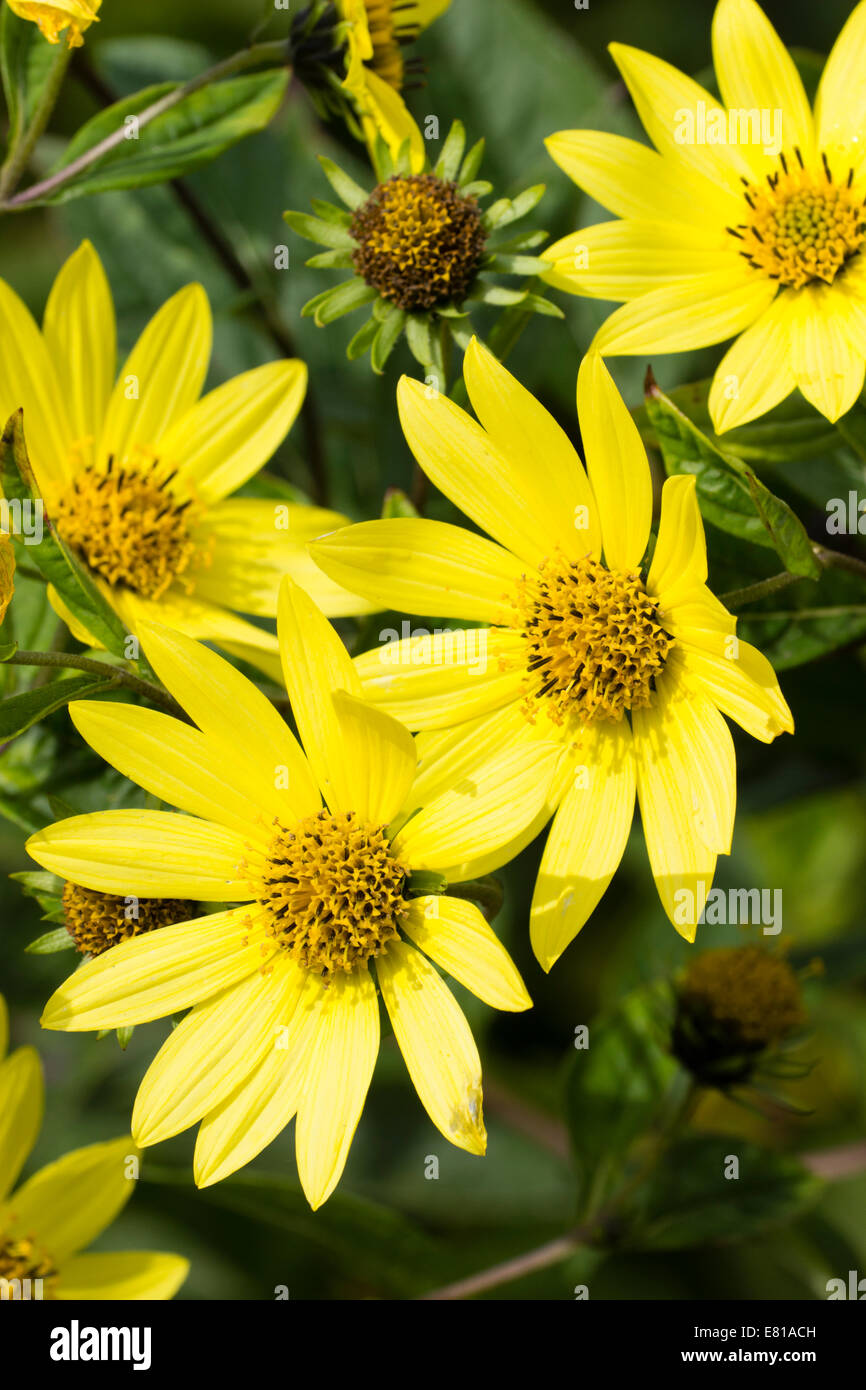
513 71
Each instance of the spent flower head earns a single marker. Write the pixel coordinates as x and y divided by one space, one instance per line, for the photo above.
423 250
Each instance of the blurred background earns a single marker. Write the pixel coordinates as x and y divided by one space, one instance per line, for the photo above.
514 72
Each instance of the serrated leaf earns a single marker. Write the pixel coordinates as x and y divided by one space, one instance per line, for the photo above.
191 133
731 495
20 712
51 556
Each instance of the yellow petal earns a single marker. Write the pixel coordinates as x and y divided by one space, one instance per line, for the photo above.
7 573
481 813
213 1050
196 617
379 757
755 373
252 544
159 973
239 1127
385 113
268 765
436 679
29 381
171 761
686 802
586 840
437 1045
621 260
756 71
617 463
4 1027
419 566
738 679
500 489
445 756
223 439
338 1077
81 336
543 474
161 379
694 313
151 854
840 106
315 665
70 1202
680 556
661 94
22 1103
455 935
145 1274
634 181
829 371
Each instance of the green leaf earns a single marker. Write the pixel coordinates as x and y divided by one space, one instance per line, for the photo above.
51 942
342 299
51 556
617 1087
337 217
791 432
26 59
731 495
397 504
507 210
471 164
316 229
352 194
448 163
186 136
21 712
689 1201
362 340
386 339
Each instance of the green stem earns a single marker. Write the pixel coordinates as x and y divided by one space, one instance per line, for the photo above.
828 559
23 147
257 55
736 598
119 674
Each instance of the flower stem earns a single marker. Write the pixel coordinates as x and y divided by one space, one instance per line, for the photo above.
828 559
119 674
24 146
257 55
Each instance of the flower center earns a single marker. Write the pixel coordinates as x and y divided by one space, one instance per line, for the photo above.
801 227
595 642
127 527
419 241
21 1259
333 891
96 921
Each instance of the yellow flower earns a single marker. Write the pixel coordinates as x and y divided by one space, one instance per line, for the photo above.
62 1208
55 16
137 473
376 70
285 1014
742 221
7 572
627 668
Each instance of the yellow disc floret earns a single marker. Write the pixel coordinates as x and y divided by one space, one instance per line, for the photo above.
801 227
127 527
97 921
333 891
419 241
22 1260
596 644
